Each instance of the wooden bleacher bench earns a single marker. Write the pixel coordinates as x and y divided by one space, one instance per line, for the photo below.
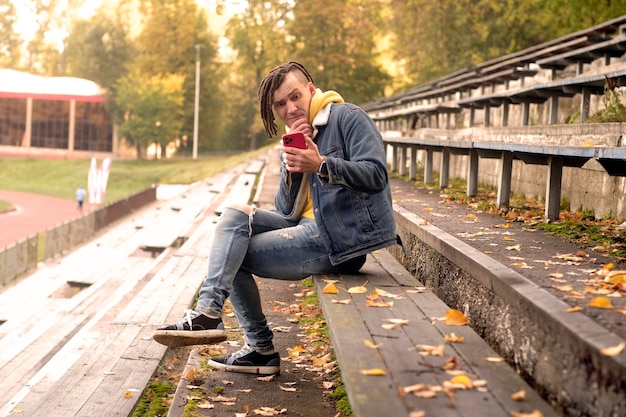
403 370
76 336
241 191
611 48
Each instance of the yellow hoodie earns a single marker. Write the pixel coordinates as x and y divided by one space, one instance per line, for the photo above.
318 101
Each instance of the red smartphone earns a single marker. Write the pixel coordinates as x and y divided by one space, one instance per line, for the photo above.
294 140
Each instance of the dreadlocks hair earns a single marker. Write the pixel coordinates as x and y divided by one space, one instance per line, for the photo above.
268 86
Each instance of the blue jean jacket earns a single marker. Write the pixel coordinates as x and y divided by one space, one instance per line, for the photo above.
353 207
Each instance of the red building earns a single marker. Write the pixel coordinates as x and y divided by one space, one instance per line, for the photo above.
62 116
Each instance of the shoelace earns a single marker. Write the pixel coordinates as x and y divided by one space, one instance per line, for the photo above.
189 318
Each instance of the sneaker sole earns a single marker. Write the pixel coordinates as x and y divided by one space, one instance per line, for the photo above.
177 338
247 369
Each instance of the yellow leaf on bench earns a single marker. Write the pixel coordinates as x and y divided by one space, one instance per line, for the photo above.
378 303
371 345
519 395
462 381
616 277
330 289
455 318
393 323
374 372
357 290
613 350
453 338
384 293
411 388
535 413
431 350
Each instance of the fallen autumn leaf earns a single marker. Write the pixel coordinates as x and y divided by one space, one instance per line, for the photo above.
613 350
455 318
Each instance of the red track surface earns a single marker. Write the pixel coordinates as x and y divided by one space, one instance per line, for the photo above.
33 213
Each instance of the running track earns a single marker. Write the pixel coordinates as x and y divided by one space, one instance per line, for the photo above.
34 213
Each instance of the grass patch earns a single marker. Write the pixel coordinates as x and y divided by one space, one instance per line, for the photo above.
5 206
154 401
61 177
314 324
603 235
341 400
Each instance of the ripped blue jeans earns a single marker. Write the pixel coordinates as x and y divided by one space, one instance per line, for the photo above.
264 244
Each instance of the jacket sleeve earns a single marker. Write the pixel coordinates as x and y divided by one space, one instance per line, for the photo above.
363 166
287 193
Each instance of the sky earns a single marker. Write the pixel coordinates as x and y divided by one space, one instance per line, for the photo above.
26 24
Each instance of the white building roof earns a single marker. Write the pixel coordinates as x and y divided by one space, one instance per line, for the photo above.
17 82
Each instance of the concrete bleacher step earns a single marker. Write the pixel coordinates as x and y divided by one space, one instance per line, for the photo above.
559 351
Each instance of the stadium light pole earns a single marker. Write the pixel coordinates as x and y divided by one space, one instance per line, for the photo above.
196 104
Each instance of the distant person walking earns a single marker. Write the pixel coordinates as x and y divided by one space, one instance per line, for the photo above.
80 197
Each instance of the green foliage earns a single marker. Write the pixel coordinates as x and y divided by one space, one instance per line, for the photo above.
583 228
152 107
9 39
167 45
258 35
191 409
350 46
152 402
341 400
339 49
434 39
99 48
614 110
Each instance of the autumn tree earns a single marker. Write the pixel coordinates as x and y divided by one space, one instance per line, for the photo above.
568 16
99 48
9 39
433 39
258 37
337 43
167 45
152 108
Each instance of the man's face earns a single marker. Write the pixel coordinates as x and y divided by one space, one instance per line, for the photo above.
292 99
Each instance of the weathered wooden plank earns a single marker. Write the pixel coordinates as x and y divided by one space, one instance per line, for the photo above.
161 288
105 348
240 192
398 351
255 167
32 356
130 375
369 395
474 351
198 242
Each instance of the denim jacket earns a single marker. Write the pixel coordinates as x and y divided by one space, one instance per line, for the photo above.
353 207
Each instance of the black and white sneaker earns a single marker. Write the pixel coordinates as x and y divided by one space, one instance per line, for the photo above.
193 329
248 361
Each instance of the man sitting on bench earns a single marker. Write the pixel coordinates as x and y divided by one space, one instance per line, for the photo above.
333 206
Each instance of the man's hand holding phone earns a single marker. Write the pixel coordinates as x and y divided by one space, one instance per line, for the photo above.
300 153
